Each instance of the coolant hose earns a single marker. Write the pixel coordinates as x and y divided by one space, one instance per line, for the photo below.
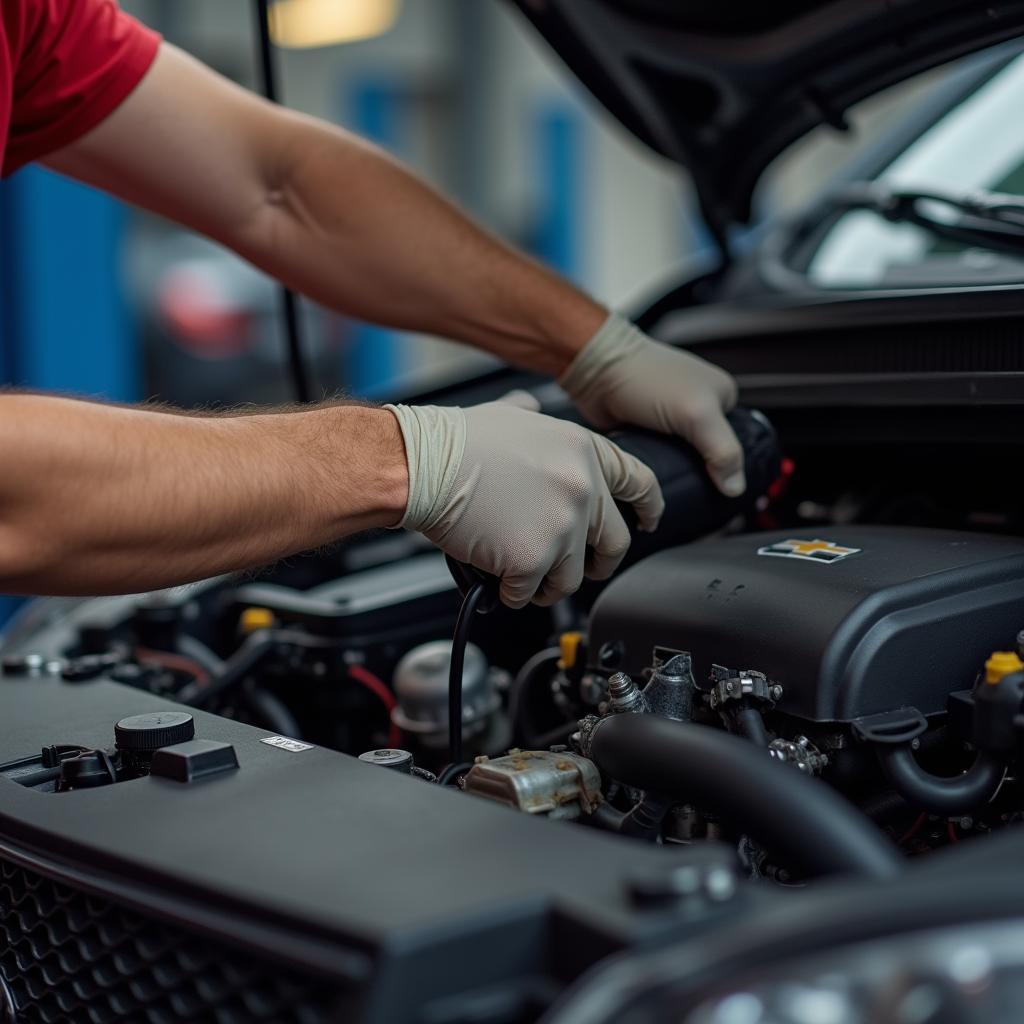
938 794
751 724
796 816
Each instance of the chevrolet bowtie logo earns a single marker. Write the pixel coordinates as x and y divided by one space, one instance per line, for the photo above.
826 551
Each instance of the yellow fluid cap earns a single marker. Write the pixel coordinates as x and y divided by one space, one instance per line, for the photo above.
1002 663
255 619
569 644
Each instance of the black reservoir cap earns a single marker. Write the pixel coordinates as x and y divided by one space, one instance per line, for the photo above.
88 769
154 730
195 759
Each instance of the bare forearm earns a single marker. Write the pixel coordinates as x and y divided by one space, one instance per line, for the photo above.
359 233
328 213
106 499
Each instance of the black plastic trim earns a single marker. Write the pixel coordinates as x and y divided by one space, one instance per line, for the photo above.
726 103
305 953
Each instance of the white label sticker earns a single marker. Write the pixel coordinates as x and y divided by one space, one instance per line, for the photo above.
295 746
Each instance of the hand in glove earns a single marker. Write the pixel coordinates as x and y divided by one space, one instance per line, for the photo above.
622 376
523 496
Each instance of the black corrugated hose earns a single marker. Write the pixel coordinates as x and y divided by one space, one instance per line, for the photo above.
795 816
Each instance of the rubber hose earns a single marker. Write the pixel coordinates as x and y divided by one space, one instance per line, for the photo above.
198 651
459 641
274 712
751 725
645 818
883 807
452 772
948 796
253 650
792 814
642 821
519 692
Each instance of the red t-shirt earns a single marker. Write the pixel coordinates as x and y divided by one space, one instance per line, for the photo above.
64 66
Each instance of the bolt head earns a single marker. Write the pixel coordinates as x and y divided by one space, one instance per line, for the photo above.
720 884
610 654
682 884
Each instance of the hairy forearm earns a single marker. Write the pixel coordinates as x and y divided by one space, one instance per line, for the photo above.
111 499
328 213
355 230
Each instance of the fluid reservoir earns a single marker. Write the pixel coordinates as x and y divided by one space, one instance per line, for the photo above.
421 689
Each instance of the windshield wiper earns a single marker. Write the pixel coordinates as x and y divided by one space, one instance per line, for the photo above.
988 220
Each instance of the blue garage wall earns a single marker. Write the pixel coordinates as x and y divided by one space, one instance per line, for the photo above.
375 110
560 240
64 322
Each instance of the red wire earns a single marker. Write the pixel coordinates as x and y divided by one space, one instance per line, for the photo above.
175 662
912 831
365 678
951 832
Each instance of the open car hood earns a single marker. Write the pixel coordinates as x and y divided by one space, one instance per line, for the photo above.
723 87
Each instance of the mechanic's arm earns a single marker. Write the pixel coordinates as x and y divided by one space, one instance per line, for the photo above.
110 499
342 222
103 499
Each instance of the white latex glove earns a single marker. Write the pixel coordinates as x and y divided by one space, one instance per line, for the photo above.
523 496
622 376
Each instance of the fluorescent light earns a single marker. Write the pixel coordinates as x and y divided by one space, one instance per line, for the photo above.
300 24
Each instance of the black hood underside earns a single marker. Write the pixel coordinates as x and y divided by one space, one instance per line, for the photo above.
722 88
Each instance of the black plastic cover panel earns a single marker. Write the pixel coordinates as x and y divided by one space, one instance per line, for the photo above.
850 620
394 890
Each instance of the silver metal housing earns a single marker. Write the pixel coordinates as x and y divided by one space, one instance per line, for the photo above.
559 784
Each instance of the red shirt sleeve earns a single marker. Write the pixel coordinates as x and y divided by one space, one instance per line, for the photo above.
74 63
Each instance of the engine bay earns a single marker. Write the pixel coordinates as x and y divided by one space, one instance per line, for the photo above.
765 706
881 662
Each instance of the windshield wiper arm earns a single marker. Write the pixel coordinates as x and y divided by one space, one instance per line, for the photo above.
988 220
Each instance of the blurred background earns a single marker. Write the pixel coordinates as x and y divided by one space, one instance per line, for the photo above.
100 300
105 301
122 304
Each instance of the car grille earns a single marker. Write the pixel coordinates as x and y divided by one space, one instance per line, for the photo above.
68 956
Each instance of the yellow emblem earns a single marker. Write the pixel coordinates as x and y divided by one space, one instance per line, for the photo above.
825 551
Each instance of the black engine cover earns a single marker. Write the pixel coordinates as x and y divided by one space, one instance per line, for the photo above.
301 887
866 619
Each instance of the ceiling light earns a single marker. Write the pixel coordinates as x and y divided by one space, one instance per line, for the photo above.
300 24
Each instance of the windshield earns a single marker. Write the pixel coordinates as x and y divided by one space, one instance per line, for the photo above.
979 144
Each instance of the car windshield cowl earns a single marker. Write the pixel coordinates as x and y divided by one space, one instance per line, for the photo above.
978 218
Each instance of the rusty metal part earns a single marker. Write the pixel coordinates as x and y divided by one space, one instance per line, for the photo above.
560 784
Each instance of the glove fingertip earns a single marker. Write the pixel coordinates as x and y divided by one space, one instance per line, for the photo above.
733 485
521 399
515 595
650 524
